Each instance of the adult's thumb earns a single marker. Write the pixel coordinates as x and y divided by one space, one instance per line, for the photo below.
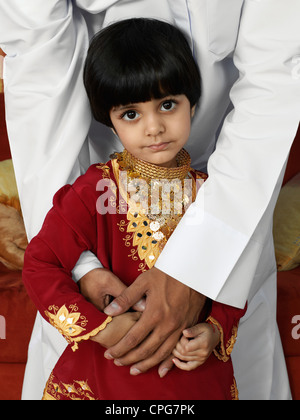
128 298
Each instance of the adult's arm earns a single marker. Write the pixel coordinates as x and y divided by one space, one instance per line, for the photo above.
44 97
217 245
219 238
47 112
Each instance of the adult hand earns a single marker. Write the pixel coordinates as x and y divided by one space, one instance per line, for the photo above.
99 285
171 307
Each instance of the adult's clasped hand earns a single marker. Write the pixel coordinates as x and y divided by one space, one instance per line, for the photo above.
170 308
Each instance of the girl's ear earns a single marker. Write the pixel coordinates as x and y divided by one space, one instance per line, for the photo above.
193 110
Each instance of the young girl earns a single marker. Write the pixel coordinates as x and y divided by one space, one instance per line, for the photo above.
147 93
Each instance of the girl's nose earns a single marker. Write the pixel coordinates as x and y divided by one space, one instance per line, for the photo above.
154 125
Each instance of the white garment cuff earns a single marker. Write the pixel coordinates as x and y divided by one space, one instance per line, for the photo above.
86 263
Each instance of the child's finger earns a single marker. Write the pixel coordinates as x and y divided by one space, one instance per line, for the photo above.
184 356
188 366
197 344
191 347
192 332
181 346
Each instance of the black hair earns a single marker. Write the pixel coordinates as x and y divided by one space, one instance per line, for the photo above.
136 60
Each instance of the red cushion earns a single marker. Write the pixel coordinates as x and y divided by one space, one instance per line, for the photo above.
19 314
11 379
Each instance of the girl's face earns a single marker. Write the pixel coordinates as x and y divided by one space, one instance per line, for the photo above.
154 131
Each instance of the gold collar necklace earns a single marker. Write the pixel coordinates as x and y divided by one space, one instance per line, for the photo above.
148 171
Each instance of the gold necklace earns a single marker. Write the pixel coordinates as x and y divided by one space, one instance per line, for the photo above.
149 171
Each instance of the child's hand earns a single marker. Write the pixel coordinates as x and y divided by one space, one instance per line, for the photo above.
116 329
99 285
195 346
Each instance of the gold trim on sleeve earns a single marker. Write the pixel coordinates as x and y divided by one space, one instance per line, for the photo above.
70 323
92 333
223 350
234 391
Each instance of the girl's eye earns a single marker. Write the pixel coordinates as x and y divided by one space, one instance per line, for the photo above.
168 106
130 116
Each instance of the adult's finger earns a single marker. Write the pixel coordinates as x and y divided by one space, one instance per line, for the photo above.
128 346
128 298
166 366
98 284
170 308
163 356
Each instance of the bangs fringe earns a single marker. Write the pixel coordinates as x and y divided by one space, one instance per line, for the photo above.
138 86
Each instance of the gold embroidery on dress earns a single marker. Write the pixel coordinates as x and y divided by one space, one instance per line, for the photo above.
148 245
152 221
71 323
223 350
234 391
231 342
122 207
105 169
66 322
78 390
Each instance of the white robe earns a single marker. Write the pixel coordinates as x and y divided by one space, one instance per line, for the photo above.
248 51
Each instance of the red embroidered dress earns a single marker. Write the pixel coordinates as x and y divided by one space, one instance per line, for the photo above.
97 213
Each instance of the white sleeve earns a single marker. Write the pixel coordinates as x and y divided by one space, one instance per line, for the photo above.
47 112
220 230
86 263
